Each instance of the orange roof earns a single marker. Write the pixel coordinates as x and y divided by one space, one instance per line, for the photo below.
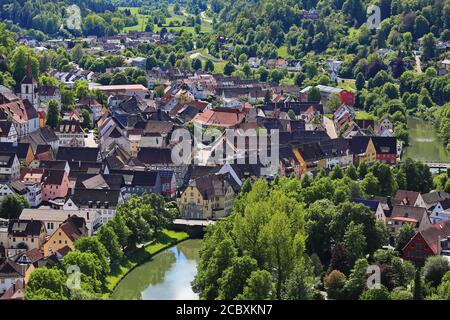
220 118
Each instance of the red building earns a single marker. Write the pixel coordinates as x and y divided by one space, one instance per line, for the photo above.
427 242
386 149
347 97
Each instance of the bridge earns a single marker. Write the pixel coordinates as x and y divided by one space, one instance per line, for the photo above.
437 165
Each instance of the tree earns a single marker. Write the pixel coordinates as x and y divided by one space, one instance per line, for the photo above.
46 283
434 269
355 240
12 205
86 119
280 248
334 284
362 170
229 68
405 234
258 286
299 284
377 293
370 185
418 290
334 102
209 66
196 64
356 283
401 293
206 280
22 57
53 114
351 172
120 229
110 240
360 81
336 172
341 258
235 277
89 266
429 47
313 94
93 245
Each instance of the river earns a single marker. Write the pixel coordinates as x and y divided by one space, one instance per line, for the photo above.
424 143
167 276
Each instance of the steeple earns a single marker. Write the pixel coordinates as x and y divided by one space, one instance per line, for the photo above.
29 79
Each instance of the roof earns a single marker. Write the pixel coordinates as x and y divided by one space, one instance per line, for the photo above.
433 233
155 156
7 159
385 145
21 149
310 151
25 228
152 126
82 197
5 128
371 204
78 154
408 213
54 177
434 197
74 227
48 91
69 126
55 215
144 178
20 111
10 269
407 197
220 117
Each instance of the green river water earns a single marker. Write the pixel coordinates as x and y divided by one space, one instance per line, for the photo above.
167 276
424 142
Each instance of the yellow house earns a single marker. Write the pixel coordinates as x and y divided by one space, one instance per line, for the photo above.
207 197
65 236
369 155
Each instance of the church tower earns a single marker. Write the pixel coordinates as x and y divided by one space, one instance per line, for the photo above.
29 87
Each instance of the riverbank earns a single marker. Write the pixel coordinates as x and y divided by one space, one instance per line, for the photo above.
165 240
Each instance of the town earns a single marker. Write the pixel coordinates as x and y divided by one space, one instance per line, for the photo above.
88 134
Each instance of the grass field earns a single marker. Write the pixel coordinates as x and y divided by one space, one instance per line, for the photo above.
283 52
205 27
166 239
362 115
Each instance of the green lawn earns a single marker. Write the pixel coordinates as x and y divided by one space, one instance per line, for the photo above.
362 115
166 239
348 85
205 27
283 52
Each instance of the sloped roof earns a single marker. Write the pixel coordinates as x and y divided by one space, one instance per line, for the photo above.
78 154
408 213
407 197
432 234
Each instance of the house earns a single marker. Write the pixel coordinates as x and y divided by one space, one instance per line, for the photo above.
22 114
254 62
294 65
160 160
431 199
141 182
23 151
76 154
370 149
431 241
444 68
47 93
335 151
384 127
375 206
15 292
343 115
125 89
208 197
441 211
289 164
5 190
220 117
70 133
28 234
9 166
309 155
53 219
55 184
65 236
326 92
103 201
409 198
8 132
12 274
93 105
155 134
406 214
42 136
